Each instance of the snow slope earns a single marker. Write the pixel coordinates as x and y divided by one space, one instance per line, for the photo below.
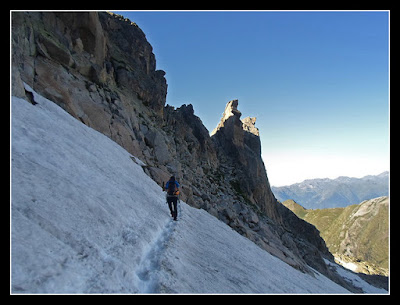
87 219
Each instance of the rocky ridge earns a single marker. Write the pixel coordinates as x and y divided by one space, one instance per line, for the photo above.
101 69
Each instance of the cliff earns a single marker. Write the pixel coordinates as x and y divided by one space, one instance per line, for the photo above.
101 69
104 78
240 146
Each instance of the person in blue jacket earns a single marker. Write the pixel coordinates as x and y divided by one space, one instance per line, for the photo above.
172 188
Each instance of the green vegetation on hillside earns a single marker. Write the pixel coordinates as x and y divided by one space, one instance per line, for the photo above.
360 231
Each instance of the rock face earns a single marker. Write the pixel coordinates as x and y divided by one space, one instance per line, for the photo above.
241 147
105 78
101 69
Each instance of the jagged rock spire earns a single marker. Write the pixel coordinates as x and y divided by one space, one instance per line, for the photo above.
230 110
248 123
249 126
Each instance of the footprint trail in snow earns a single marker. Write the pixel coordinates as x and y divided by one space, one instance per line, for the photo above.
149 265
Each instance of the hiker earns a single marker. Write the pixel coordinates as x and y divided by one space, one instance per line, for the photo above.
172 188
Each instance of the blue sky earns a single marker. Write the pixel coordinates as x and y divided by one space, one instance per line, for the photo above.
316 81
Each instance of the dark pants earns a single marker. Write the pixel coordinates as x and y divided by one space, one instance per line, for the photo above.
173 200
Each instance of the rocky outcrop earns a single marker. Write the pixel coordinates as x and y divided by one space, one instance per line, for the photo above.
101 69
240 145
97 66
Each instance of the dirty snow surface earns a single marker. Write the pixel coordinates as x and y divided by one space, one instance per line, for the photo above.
87 219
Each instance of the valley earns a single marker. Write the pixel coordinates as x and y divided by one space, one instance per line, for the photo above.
357 235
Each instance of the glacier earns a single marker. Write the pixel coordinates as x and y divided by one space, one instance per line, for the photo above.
86 219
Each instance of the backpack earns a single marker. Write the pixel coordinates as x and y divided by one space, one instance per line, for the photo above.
171 188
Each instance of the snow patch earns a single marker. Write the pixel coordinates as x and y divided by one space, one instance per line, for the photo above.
355 279
350 266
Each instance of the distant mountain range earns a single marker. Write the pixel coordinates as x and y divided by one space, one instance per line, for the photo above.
333 193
